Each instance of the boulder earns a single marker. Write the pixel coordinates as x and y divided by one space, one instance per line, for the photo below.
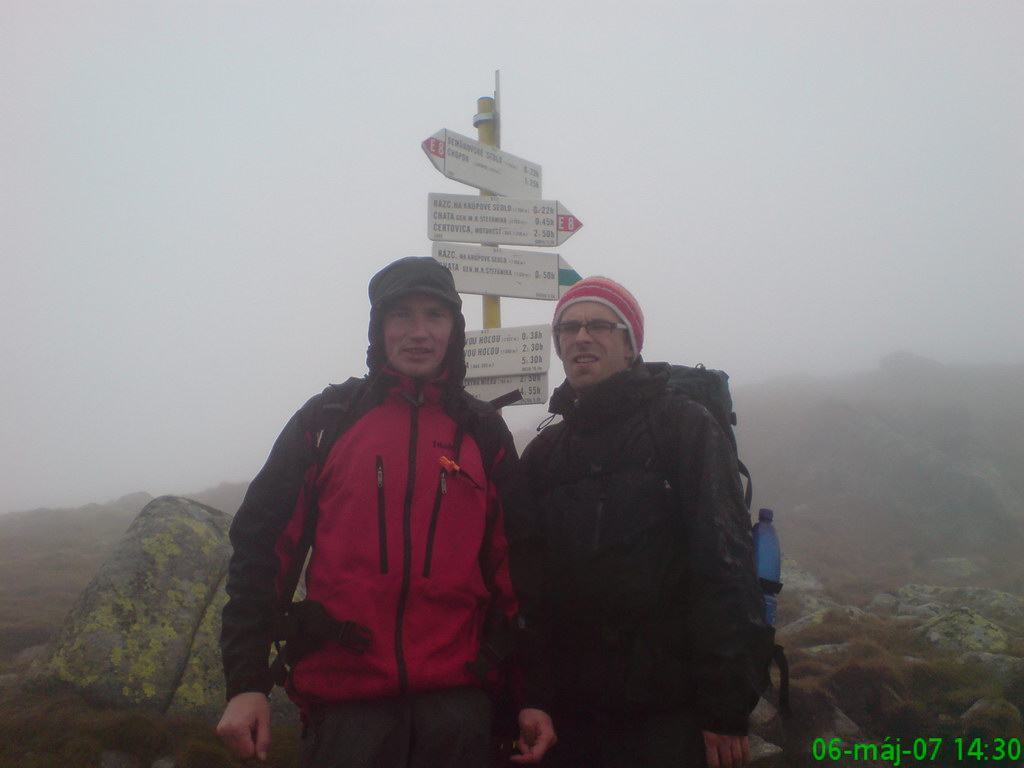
201 689
828 651
820 617
996 606
802 590
994 667
997 666
127 640
765 754
962 629
884 604
994 717
958 568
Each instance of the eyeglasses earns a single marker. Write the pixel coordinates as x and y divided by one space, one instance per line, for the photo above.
594 327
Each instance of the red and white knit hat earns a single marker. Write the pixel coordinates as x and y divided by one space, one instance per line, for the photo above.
612 295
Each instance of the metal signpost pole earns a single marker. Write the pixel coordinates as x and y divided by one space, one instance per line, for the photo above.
486 123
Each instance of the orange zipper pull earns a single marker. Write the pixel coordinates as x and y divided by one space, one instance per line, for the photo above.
455 469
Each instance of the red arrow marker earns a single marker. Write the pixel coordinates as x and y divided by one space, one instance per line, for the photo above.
569 223
434 147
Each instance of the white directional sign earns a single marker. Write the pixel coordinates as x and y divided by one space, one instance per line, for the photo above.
506 272
508 351
533 386
498 220
467 160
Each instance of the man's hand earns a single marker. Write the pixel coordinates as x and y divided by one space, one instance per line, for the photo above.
245 725
725 750
536 734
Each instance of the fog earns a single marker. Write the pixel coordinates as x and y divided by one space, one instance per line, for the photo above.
193 197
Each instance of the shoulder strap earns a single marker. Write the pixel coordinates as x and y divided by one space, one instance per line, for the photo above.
339 407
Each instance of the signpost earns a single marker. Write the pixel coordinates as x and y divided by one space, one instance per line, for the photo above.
508 211
533 386
498 220
464 159
507 351
505 272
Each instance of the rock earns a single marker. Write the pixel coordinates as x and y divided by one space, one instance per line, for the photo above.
26 656
764 753
964 630
202 689
922 612
884 604
111 759
802 589
819 617
843 726
827 651
993 716
797 579
995 666
165 762
765 722
764 714
869 693
955 567
996 606
127 639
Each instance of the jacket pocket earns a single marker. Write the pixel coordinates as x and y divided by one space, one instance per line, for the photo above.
381 518
442 489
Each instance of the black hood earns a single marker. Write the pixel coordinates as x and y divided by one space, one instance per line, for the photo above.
415 274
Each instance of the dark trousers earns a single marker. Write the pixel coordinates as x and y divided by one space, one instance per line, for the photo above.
435 729
597 739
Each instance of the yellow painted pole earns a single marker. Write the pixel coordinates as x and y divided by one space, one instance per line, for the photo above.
486 122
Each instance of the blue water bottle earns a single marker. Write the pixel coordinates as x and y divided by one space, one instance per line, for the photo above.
769 562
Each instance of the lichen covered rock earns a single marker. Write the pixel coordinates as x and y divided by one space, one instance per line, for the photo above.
994 605
964 630
127 639
201 689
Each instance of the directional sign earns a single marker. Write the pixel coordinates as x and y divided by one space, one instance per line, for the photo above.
533 386
498 220
464 159
507 351
505 272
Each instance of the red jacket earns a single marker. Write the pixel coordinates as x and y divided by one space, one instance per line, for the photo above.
402 546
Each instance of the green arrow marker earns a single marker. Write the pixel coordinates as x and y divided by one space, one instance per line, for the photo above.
567 277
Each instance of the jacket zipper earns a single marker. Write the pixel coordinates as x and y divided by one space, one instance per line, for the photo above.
442 489
403 675
381 519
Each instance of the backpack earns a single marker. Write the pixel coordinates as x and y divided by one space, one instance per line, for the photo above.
710 388
300 626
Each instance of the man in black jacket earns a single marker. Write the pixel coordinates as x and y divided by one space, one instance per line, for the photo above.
653 605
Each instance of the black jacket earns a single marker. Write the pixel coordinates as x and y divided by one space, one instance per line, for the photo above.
652 597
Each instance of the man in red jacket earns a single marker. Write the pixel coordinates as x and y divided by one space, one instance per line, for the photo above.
410 554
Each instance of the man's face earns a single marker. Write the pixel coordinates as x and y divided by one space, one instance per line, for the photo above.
417 329
589 358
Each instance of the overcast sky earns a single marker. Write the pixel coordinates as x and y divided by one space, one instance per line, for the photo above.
193 196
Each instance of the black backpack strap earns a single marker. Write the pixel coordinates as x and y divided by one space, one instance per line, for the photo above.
339 407
779 657
336 412
748 490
